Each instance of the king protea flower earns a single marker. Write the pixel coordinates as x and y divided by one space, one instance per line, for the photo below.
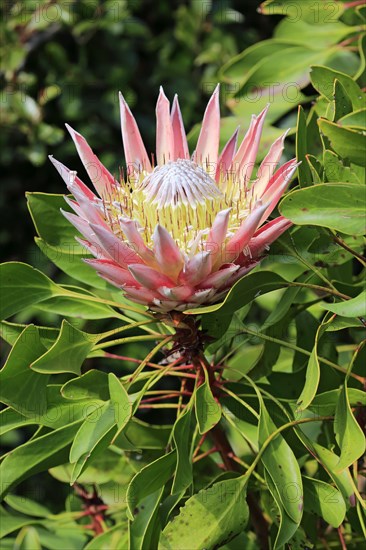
177 232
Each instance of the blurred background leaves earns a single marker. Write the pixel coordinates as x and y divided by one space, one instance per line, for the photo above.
64 61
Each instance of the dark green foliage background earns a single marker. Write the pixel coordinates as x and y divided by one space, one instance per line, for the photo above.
295 326
68 65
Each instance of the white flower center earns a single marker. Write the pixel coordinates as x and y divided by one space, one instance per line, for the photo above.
179 182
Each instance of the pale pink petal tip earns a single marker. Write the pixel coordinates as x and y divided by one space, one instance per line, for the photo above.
179 135
208 141
164 130
135 153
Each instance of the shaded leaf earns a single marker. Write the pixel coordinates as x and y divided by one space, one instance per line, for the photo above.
324 500
20 387
68 352
348 432
339 206
282 466
209 518
36 456
356 307
150 479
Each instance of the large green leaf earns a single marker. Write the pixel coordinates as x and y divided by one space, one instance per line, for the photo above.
116 537
303 170
238 69
10 522
335 170
144 530
316 37
324 500
182 436
10 419
329 461
323 78
25 505
349 434
67 306
349 143
36 456
208 409
356 119
324 404
93 385
68 352
287 526
120 400
209 518
22 286
150 479
10 332
339 206
282 466
92 438
312 372
20 387
356 307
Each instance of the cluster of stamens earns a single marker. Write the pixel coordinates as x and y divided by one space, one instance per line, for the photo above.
180 196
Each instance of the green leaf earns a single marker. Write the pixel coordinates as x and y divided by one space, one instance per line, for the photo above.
316 37
92 438
10 522
338 206
335 170
239 68
324 500
28 539
287 526
36 456
11 419
68 352
355 307
11 331
282 466
20 387
312 372
329 461
68 306
182 439
22 286
244 291
322 79
346 142
25 505
356 120
348 432
150 479
91 385
316 168
61 411
208 409
144 530
120 401
324 404
116 537
342 103
303 170
209 518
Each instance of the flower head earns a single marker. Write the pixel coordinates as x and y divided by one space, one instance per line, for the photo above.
177 233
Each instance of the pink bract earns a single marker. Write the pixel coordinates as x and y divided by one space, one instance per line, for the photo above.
177 233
